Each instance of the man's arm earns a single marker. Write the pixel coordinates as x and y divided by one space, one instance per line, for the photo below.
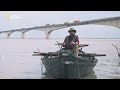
77 40
64 42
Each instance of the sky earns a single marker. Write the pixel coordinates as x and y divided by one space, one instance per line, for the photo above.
23 19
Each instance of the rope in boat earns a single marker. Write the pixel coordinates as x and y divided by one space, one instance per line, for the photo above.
77 63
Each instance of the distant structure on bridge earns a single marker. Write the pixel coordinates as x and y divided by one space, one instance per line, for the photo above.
113 21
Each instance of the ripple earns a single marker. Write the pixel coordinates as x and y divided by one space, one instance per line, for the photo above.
16 61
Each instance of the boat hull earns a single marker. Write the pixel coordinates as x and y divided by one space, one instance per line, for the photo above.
69 68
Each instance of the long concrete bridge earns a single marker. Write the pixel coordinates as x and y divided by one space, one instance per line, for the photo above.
113 21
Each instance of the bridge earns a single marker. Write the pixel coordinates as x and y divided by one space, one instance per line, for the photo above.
47 29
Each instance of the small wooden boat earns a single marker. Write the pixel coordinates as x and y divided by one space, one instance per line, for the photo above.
66 64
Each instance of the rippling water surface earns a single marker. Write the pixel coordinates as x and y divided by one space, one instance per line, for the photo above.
17 62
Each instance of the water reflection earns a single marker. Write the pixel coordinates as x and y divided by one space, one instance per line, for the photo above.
116 73
117 69
92 75
16 61
118 62
46 75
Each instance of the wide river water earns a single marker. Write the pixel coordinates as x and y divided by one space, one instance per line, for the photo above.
17 62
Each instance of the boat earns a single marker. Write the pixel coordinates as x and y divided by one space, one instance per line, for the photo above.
66 64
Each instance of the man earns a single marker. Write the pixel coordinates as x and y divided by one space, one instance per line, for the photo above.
71 40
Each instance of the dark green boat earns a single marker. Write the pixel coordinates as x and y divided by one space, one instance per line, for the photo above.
65 64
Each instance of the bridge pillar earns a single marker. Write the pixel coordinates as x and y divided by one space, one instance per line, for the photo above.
23 34
47 33
8 35
50 29
47 36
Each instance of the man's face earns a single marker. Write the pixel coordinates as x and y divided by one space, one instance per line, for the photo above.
72 33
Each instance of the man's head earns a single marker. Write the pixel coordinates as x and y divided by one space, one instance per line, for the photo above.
72 31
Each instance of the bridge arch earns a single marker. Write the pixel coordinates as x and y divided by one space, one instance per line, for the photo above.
34 34
16 34
98 31
89 31
58 33
3 35
113 21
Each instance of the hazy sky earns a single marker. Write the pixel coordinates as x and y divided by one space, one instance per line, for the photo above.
22 19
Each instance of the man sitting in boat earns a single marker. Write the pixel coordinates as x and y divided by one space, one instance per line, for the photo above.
71 40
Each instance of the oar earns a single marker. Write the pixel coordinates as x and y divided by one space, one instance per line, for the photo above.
58 44
38 51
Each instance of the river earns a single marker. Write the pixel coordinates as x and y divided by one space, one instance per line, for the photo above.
17 62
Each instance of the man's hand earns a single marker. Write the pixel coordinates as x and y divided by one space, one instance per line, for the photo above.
63 44
72 43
